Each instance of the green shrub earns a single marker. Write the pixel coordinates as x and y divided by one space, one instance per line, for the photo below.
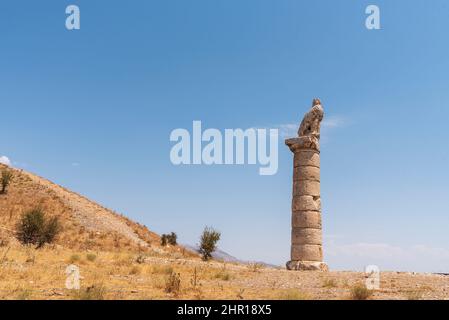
163 240
169 239
35 228
173 239
5 180
208 242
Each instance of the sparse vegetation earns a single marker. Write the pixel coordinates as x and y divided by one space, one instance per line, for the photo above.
171 239
173 283
135 270
36 229
5 180
91 257
74 258
94 292
194 281
294 294
140 259
159 276
23 294
157 269
130 270
223 275
208 242
360 292
329 283
414 294
255 267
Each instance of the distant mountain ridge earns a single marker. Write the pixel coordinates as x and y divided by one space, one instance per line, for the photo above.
224 256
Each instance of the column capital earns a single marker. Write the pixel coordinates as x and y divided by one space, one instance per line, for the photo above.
303 143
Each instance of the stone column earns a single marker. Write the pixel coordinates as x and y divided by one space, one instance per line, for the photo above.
306 247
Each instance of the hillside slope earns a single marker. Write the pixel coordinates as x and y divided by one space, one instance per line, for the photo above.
85 224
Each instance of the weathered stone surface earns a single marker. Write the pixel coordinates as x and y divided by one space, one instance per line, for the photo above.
306 158
310 124
307 266
301 143
306 203
306 219
306 173
306 236
306 188
308 252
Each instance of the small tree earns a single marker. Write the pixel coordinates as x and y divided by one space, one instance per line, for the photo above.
163 240
173 239
169 239
5 180
208 242
35 228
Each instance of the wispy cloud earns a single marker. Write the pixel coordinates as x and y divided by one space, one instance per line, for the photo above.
288 130
333 122
5 160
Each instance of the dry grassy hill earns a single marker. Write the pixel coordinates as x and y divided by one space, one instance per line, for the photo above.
121 259
85 224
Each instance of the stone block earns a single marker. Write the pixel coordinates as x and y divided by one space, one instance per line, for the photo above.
307 253
306 219
306 188
306 158
307 236
307 266
306 173
306 203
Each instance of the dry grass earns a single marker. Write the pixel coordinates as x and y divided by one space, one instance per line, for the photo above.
360 292
293 294
94 292
330 283
117 275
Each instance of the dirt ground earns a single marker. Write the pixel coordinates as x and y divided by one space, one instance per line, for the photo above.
27 273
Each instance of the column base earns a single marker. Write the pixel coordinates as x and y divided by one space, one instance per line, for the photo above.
307 266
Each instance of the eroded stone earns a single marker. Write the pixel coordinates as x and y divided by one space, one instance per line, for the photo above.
306 173
306 236
306 188
306 203
307 252
306 219
306 158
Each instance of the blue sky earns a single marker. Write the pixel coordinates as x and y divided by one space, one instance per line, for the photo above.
93 109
